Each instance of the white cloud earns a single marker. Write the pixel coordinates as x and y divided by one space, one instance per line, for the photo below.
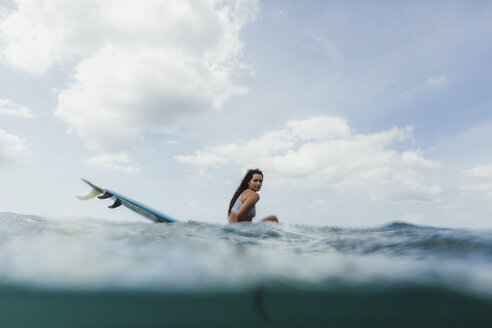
481 188
13 150
4 12
139 65
205 159
323 152
9 108
319 128
119 162
482 171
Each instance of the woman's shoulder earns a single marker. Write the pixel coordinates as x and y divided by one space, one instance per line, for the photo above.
248 193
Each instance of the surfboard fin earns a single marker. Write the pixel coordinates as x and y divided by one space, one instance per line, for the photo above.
92 194
116 203
105 195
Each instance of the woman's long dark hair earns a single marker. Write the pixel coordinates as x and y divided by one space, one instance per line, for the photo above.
243 186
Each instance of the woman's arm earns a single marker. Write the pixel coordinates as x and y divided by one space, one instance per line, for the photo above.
249 198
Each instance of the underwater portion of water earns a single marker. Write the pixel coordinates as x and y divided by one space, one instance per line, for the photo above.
279 275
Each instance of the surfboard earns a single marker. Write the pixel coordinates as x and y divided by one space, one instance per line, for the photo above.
119 199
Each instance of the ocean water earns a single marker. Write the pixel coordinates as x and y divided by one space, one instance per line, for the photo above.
96 273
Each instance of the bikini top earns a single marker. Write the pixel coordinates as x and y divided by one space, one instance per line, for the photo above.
237 205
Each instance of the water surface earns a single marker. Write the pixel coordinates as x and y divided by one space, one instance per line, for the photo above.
267 274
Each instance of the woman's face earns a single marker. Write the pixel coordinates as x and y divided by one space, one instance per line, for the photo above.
255 182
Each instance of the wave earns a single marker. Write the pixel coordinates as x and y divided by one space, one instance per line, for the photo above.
94 253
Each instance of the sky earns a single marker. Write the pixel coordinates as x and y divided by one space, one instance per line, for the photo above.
359 113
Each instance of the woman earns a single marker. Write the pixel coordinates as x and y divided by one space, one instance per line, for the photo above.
242 205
